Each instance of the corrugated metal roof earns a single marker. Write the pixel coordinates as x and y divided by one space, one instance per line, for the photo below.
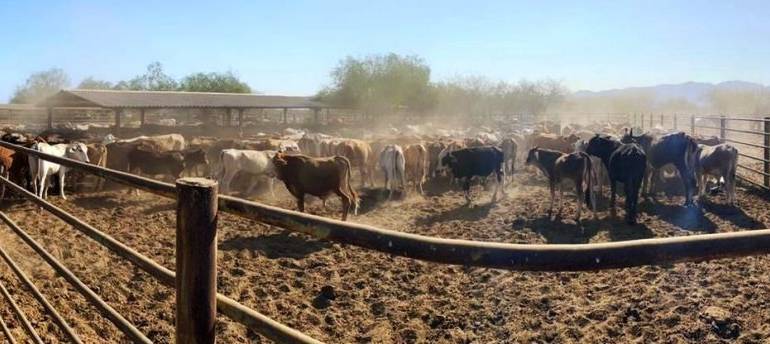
163 99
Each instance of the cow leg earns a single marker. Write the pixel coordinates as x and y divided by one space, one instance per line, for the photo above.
347 201
613 191
41 188
6 175
552 187
300 202
271 185
689 180
467 189
579 192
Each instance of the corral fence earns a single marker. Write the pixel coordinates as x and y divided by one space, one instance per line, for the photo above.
196 246
750 134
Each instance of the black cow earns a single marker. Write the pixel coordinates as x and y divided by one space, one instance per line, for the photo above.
678 149
625 163
472 162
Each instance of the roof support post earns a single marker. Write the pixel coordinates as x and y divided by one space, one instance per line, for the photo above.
240 118
327 116
228 118
118 115
50 118
316 113
141 118
285 112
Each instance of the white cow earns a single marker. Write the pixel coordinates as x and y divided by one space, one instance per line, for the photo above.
255 163
393 165
41 170
161 142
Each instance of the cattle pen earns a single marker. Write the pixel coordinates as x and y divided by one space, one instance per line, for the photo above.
196 244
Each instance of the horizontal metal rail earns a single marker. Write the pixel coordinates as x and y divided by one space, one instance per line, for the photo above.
124 325
528 257
752 157
20 314
747 143
255 321
752 182
735 130
63 325
743 119
752 170
6 331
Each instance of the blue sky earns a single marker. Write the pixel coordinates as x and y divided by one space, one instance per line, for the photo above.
289 47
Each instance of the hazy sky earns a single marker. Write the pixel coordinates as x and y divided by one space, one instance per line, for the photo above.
289 47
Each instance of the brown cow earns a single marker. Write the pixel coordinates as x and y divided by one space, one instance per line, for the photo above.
434 149
317 176
416 165
144 159
359 153
556 142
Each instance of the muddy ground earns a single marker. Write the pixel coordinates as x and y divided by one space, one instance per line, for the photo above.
373 297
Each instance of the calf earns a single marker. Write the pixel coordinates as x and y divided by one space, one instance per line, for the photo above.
718 161
557 167
41 170
416 156
392 163
318 177
472 162
255 163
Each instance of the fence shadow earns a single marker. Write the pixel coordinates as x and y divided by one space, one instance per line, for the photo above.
732 214
278 245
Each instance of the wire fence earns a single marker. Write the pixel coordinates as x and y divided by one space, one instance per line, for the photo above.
583 257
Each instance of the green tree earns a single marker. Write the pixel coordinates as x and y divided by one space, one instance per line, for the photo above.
90 83
380 84
40 85
154 79
213 82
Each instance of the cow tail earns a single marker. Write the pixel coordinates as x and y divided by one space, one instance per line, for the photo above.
689 160
345 162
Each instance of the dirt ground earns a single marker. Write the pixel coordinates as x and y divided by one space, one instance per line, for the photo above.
343 294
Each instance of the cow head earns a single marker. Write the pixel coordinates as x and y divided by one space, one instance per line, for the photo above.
447 162
533 156
77 151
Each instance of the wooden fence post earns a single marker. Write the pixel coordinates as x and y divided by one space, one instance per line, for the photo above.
651 125
692 125
675 124
661 121
767 152
722 126
142 118
50 118
196 259
240 118
285 119
641 123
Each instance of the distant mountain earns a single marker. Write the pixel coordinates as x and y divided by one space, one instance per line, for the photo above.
695 92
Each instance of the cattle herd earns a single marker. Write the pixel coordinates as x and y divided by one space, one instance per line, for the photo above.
318 164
